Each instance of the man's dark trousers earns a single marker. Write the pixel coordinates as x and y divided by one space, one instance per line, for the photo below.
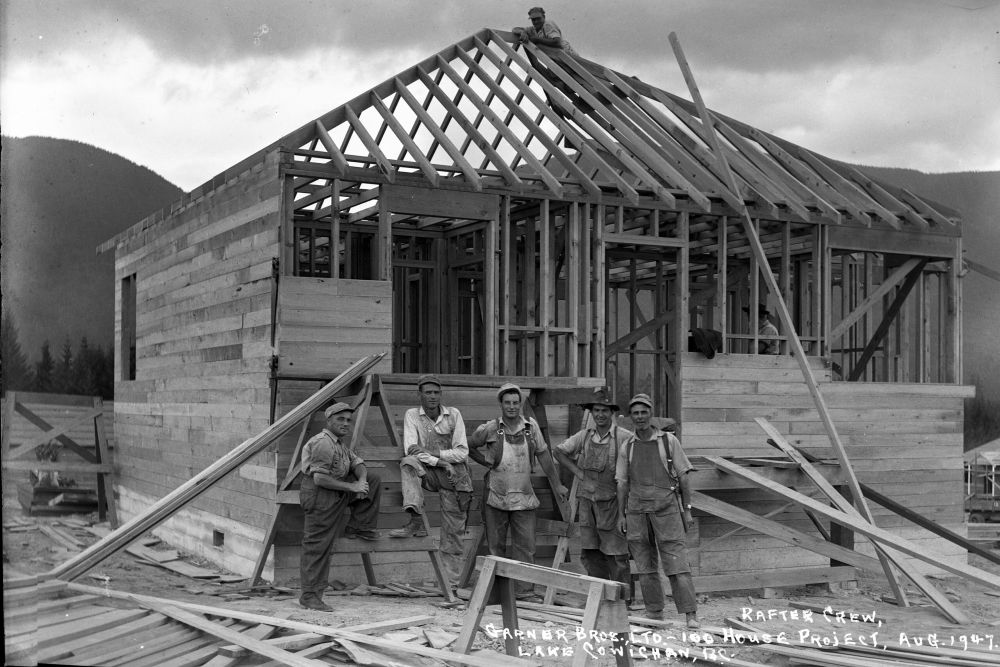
326 514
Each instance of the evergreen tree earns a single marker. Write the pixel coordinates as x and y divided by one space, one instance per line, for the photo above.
63 380
15 370
44 369
83 371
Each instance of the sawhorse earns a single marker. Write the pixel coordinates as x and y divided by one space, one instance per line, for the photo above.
605 610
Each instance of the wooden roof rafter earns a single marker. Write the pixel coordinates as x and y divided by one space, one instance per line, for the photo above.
608 143
629 192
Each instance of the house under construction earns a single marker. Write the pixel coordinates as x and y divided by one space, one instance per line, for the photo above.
501 211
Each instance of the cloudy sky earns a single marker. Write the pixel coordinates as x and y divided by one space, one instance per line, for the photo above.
190 87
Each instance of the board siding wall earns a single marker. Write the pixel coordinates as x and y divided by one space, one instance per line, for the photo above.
325 325
904 440
203 352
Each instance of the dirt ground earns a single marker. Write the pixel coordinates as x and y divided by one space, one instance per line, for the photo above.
31 552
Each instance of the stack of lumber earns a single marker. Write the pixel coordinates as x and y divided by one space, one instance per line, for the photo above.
83 625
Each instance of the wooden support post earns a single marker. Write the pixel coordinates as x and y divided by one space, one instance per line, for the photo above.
573 290
682 323
546 290
490 287
383 245
599 278
722 283
105 489
509 281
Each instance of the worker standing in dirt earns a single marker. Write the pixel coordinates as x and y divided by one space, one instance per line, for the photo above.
510 445
591 455
336 487
543 31
436 460
654 497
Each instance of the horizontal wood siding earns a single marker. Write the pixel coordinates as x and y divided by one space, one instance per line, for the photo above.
203 352
325 325
904 440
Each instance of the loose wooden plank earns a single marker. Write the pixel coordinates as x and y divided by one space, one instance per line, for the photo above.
232 636
447 656
863 527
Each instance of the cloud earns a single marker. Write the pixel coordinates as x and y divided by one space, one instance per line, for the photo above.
189 88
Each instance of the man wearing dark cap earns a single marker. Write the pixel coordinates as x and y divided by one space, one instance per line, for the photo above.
654 497
591 455
436 454
543 32
509 447
336 486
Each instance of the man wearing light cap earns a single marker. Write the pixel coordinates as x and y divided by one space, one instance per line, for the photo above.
336 486
509 447
436 454
543 32
591 455
654 497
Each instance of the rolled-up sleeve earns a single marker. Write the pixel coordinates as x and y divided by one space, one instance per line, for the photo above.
572 445
621 466
681 462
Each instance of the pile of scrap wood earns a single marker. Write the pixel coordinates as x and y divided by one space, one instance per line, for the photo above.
69 623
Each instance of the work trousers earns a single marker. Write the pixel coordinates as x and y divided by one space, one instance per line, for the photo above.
416 478
326 512
521 525
652 534
604 566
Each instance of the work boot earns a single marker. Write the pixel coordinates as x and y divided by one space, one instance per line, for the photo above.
366 534
310 601
415 528
692 621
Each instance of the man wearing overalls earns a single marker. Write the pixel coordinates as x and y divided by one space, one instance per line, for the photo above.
654 498
591 455
436 454
336 487
510 444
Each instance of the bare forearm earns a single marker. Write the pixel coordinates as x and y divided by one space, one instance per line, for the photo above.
330 482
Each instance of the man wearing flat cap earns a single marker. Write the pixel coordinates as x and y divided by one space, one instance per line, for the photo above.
543 31
436 454
508 447
654 497
591 454
336 487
